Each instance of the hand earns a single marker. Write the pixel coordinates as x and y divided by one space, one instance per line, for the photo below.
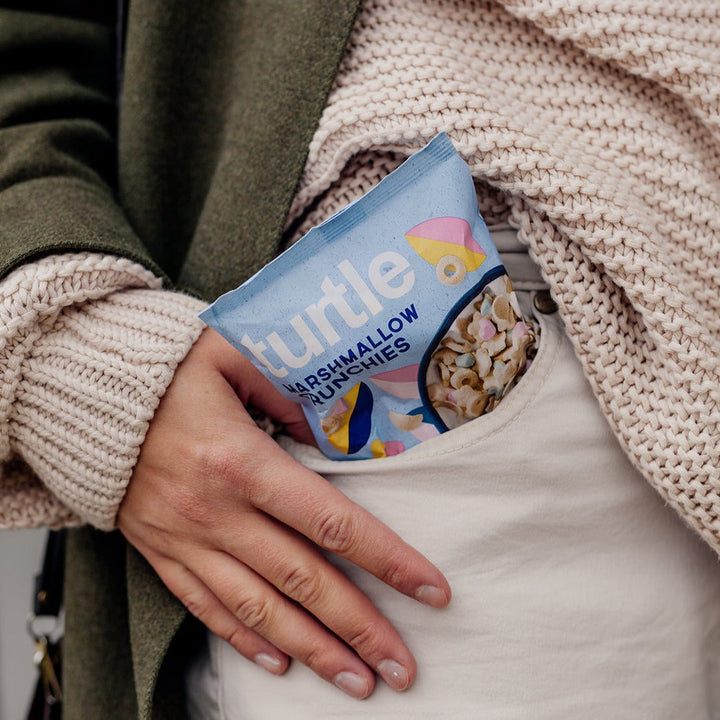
233 526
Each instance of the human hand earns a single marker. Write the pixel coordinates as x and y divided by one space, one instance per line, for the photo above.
233 525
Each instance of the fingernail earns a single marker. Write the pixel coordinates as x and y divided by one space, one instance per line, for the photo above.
394 674
268 662
431 595
352 684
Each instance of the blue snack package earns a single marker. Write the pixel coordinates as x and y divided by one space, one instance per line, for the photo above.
392 321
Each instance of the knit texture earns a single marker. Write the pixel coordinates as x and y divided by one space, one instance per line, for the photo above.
88 345
598 120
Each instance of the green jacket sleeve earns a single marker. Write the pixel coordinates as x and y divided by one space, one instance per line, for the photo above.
58 120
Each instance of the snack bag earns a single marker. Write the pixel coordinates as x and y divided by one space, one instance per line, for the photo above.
392 321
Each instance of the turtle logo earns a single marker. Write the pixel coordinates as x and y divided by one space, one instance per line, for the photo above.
448 244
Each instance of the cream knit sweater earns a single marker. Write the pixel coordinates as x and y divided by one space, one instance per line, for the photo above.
88 346
592 125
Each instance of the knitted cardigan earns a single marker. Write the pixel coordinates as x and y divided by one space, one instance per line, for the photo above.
593 126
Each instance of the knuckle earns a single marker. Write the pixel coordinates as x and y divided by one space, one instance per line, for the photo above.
315 657
230 465
396 566
196 605
214 459
336 532
394 573
365 641
237 637
223 467
304 585
255 613
190 505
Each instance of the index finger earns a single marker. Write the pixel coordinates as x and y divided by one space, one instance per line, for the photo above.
306 502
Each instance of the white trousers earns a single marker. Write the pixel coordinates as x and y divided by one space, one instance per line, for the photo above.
576 592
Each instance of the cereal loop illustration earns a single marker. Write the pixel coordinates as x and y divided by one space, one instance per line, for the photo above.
450 270
448 244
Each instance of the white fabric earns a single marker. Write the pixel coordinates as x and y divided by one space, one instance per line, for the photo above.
577 593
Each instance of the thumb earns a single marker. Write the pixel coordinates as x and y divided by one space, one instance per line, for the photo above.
254 389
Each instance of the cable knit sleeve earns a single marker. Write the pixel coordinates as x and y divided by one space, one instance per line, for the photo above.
88 345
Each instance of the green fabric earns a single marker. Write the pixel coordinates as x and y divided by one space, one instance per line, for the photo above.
57 134
154 617
120 621
97 667
218 105
211 196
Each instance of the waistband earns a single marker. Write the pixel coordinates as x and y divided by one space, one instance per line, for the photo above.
521 269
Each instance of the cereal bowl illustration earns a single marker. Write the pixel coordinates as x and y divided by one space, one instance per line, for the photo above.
448 244
348 424
480 356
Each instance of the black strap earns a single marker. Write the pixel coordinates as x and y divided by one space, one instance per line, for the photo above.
48 596
46 702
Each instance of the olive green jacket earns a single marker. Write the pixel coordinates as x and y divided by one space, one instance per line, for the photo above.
193 177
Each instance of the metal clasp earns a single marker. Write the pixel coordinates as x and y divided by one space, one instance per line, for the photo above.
45 630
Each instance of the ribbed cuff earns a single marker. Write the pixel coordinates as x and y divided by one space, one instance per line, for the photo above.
88 389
